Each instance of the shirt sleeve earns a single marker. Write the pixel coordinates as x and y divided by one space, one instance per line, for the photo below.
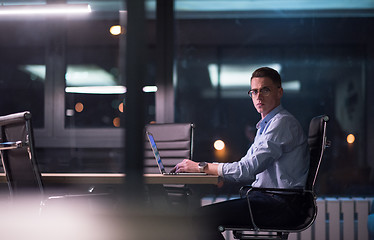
220 170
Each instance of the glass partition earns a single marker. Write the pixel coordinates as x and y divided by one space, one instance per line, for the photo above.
22 81
322 58
67 72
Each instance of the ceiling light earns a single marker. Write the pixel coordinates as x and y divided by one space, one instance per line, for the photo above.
76 75
294 85
235 75
150 89
88 75
97 90
115 30
105 89
219 145
44 9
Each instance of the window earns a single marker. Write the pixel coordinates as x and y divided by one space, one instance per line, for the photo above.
22 81
323 63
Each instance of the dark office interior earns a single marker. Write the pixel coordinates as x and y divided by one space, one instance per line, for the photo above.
200 56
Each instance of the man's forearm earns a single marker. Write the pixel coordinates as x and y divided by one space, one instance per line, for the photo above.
212 169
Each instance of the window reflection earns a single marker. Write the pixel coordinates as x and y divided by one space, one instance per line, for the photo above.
320 76
92 96
95 111
21 86
95 100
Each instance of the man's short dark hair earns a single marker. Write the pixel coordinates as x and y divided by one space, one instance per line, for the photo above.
269 73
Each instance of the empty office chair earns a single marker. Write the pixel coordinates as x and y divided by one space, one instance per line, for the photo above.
317 143
175 143
19 162
17 154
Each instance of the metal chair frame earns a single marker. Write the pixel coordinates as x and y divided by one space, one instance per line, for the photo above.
13 127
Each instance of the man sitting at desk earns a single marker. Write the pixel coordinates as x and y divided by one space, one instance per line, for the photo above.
278 158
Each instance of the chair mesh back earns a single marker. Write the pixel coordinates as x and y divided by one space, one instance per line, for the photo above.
19 164
174 142
317 144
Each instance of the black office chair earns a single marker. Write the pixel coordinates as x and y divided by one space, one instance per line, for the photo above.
17 154
317 143
175 143
19 162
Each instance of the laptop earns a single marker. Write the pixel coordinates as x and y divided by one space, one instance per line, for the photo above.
157 156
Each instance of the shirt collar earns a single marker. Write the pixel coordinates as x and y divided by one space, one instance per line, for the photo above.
262 123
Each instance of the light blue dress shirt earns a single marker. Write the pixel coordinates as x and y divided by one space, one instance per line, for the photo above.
278 158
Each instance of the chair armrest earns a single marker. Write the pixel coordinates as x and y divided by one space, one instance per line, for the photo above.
12 145
245 189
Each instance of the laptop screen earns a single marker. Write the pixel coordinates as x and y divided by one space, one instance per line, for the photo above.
155 152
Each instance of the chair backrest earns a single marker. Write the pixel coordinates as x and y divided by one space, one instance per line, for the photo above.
174 142
317 143
17 154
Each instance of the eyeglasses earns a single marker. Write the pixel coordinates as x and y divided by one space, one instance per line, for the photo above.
265 91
